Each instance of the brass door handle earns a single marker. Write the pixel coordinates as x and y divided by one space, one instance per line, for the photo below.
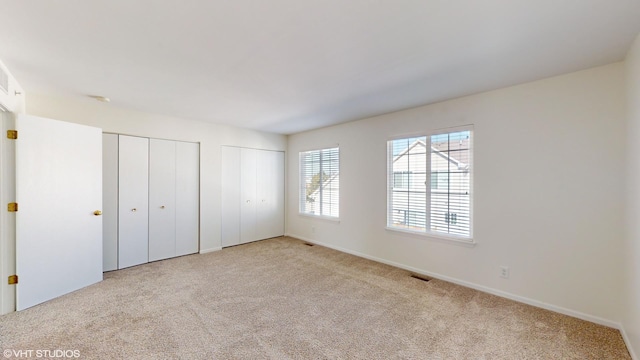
97 213
162 207
134 209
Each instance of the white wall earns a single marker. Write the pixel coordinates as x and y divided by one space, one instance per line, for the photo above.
631 308
548 198
211 136
14 99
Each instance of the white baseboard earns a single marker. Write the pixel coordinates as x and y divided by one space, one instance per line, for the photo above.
204 251
628 342
518 298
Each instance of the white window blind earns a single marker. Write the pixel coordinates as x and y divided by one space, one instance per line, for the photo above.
320 182
430 183
408 190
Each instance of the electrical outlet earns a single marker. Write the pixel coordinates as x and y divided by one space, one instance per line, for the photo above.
504 272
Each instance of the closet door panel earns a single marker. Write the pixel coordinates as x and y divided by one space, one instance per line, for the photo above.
248 171
276 210
187 197
109 202
133 201
230 196
162 199
270 214
264 186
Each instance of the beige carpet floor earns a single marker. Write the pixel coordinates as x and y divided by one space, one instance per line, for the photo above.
282 299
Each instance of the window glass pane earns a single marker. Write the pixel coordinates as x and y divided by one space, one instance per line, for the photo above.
450 197
408 193
430 183
459 140
320 182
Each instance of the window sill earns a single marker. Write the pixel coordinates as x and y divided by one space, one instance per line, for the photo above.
321 217
457 240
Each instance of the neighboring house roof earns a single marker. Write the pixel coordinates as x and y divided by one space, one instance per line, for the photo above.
459 164
324 184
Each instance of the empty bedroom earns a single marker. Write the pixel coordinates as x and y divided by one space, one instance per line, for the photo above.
320 179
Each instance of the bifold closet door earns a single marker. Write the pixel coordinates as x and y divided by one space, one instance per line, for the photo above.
133 201
270 194
248 203
230 226
162 199
276 220
187 198
252 195
109 202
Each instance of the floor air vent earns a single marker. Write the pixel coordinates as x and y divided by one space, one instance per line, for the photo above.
420 277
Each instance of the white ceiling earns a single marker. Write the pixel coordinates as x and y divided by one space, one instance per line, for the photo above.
287 66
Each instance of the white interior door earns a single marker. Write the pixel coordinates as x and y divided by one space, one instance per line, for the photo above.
276 214
264 186
248 208
230 196
270 175
187 198
7 219
162 199
58 188
109 202
133 201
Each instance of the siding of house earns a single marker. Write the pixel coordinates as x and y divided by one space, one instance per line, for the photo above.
447 201
409 186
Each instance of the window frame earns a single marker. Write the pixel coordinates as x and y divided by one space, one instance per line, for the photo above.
427 232
301 183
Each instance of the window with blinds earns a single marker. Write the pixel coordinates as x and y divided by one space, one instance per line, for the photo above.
320 182
429 183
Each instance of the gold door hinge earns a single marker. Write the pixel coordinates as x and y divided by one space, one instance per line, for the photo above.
13 279
12 134
12 207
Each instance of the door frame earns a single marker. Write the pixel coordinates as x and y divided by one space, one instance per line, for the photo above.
7 219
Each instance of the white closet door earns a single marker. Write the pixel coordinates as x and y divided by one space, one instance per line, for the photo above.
264 185
187 197
58 188
162 199
109 202
270 214
248 172
133 201
230 204
276 218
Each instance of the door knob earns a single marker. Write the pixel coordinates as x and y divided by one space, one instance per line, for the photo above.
134 209
162 207
97 213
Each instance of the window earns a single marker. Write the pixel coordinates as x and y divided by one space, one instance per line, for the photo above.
320 182
401 179
430 183
439 180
